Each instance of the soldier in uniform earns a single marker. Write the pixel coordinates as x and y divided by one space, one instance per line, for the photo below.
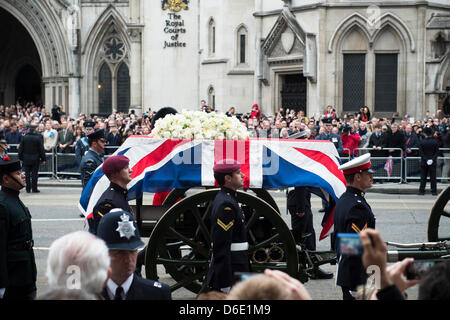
93 157
32 153
82 145
119 230
429 151
228 231
118 172
299 206
352 215
17 262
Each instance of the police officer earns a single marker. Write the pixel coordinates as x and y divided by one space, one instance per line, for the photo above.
119 230
429 151
228 231
118 172
32 153
93 157
352 215
82 145
17 262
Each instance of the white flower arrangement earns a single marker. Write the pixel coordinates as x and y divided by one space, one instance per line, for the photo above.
199 125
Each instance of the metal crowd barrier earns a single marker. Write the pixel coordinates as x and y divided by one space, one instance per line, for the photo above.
412 165
59 164
383 165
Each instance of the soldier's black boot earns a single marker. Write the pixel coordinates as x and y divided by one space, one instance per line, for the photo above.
321 274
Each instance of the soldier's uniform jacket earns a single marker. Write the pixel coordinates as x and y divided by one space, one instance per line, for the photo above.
113 197
89 163
229 240
80 148
17 262
352 215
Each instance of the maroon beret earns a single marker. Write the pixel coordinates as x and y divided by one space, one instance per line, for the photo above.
114 164
226 166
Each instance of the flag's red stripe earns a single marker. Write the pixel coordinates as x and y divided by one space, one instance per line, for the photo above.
325 161
237 150
156 156
328 224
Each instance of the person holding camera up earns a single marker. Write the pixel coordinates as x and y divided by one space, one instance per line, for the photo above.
353 215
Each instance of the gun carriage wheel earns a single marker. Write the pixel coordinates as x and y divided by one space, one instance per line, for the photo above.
439 210
181 239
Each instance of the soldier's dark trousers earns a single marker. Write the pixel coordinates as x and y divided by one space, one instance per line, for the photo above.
31 176
346 295
304 225
20 293
424 171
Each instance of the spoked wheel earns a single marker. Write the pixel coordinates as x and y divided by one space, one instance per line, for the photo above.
439 211
181 240
176 194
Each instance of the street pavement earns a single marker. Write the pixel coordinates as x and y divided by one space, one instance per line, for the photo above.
401 217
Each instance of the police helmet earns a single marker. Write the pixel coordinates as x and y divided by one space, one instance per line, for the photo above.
119 230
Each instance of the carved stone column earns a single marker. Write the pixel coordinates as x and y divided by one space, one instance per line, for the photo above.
135 34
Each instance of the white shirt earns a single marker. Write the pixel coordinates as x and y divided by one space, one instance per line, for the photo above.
111 287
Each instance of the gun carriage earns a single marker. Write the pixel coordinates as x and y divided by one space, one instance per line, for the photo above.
180 241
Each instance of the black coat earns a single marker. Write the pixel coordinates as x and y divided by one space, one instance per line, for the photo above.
17 262
113 197
352 215
227 227
375 141
91 160
428 150
299 201
31 149
145 289
395 140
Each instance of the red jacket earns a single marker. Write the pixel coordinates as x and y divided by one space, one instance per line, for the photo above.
350 142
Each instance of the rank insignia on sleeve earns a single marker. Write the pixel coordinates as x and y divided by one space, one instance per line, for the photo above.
355 228
225 226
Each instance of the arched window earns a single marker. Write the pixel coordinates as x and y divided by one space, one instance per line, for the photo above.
105 89
212 97
211 37
123 88
242 39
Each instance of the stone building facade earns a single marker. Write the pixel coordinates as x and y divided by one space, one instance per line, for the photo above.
95 56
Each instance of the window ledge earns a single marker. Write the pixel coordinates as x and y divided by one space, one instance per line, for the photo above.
214 61
240 72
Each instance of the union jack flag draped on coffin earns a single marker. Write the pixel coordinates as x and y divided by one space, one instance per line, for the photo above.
160 165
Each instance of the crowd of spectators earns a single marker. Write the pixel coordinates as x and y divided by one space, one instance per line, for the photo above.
360 130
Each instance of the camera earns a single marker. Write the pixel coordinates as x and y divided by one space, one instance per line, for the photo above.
418 268
349 244
347 129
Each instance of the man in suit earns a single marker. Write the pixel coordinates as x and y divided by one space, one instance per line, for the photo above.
17 262
13 136
114 137
352 215
65 138
428 151
32 153
93 157
228 231
377 142
119 230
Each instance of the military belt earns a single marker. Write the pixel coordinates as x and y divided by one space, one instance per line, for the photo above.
239 246
27 245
